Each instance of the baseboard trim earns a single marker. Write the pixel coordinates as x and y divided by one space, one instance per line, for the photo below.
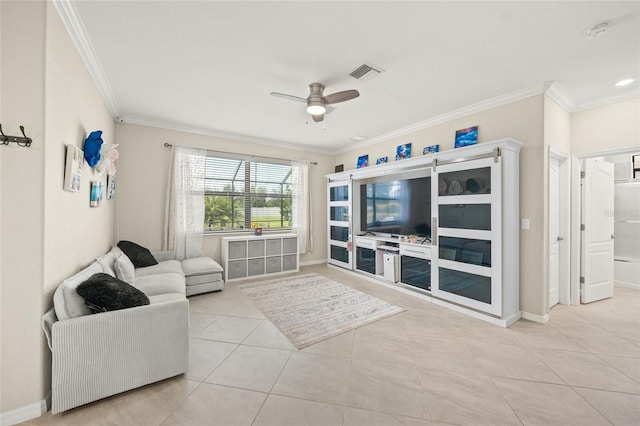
627 285
541 319
313 262
23 414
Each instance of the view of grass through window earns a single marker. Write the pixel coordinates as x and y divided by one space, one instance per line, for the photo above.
245 193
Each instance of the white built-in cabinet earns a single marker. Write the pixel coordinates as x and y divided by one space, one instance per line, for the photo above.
471 262
252 256
339 228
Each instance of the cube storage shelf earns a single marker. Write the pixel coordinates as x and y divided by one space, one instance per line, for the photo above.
252 256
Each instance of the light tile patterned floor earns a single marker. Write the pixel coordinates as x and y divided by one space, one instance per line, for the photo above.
426 366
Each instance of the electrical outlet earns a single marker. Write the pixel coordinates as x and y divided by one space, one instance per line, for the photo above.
525 223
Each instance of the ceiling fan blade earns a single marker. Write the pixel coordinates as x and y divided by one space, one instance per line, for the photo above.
318 118
343 96
289 97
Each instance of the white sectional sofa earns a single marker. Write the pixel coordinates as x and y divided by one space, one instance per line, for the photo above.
98 355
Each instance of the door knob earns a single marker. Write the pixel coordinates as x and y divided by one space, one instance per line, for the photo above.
559 238
614 236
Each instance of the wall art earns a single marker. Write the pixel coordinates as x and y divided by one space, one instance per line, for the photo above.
363 161
382 160
111 187
73 168
96 194
466 137
403 151
430 149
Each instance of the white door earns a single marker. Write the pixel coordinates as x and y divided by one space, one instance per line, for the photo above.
554 231
597 237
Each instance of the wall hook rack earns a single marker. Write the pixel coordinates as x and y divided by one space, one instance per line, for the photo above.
23 140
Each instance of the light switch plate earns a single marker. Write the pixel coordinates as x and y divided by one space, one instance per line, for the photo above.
525 223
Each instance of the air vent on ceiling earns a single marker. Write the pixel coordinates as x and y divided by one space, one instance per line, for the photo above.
365 72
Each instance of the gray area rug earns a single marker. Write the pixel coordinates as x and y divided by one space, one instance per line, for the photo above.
311 308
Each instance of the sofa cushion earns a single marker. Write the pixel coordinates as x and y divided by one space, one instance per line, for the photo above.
140 256
202 279
108 261
167 266
66 301
125 269
153 285
103 293
166 297
200 266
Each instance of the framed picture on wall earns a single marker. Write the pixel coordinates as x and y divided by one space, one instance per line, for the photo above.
96 194
73 168
403 151
430 149
382 160
111 187
363 161
466 137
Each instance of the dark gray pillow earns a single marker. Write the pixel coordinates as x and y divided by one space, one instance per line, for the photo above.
102 293
140 256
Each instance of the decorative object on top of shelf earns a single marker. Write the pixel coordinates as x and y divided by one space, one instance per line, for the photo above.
257 231
382 160
111 187
413 239
23 141
403 151
92 146
339 168
472 185
456 188
430 149
108 156
466 137
96 194
363 161
73 168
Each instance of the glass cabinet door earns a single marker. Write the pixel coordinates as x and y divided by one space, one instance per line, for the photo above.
339 208
466 267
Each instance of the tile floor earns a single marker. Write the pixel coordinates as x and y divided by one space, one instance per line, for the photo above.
426 366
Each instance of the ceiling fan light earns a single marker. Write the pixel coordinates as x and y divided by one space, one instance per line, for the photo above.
315 108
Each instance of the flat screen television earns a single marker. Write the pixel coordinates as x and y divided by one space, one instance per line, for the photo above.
397 207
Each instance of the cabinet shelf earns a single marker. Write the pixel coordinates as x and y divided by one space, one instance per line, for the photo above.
252 256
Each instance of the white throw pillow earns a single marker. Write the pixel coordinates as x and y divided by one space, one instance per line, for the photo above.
108 261
125 269
66 301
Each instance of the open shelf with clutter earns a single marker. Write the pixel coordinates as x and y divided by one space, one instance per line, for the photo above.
444 226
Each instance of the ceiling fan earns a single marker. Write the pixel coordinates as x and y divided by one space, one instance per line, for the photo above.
317 103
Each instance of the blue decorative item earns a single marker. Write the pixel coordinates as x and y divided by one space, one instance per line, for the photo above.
92 146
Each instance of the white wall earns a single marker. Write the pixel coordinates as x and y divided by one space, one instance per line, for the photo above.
606 128
521 120
22 99
143 174
47 233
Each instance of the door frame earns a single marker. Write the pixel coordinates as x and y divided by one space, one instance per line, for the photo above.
564 224
577 166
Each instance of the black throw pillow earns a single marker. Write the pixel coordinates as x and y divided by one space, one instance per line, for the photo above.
139 256
102 293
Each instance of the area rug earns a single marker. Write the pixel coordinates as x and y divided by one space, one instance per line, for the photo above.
310 308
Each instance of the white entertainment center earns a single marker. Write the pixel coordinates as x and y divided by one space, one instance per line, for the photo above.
461 207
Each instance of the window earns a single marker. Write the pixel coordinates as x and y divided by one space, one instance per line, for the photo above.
243 192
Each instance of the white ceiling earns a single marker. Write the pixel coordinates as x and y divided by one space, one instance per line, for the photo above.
210 66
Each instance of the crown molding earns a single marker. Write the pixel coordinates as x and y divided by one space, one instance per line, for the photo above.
69 15
627 96
167 125
517 95
560 95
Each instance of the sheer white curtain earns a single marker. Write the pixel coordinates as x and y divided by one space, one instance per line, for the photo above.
301 204
184 211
